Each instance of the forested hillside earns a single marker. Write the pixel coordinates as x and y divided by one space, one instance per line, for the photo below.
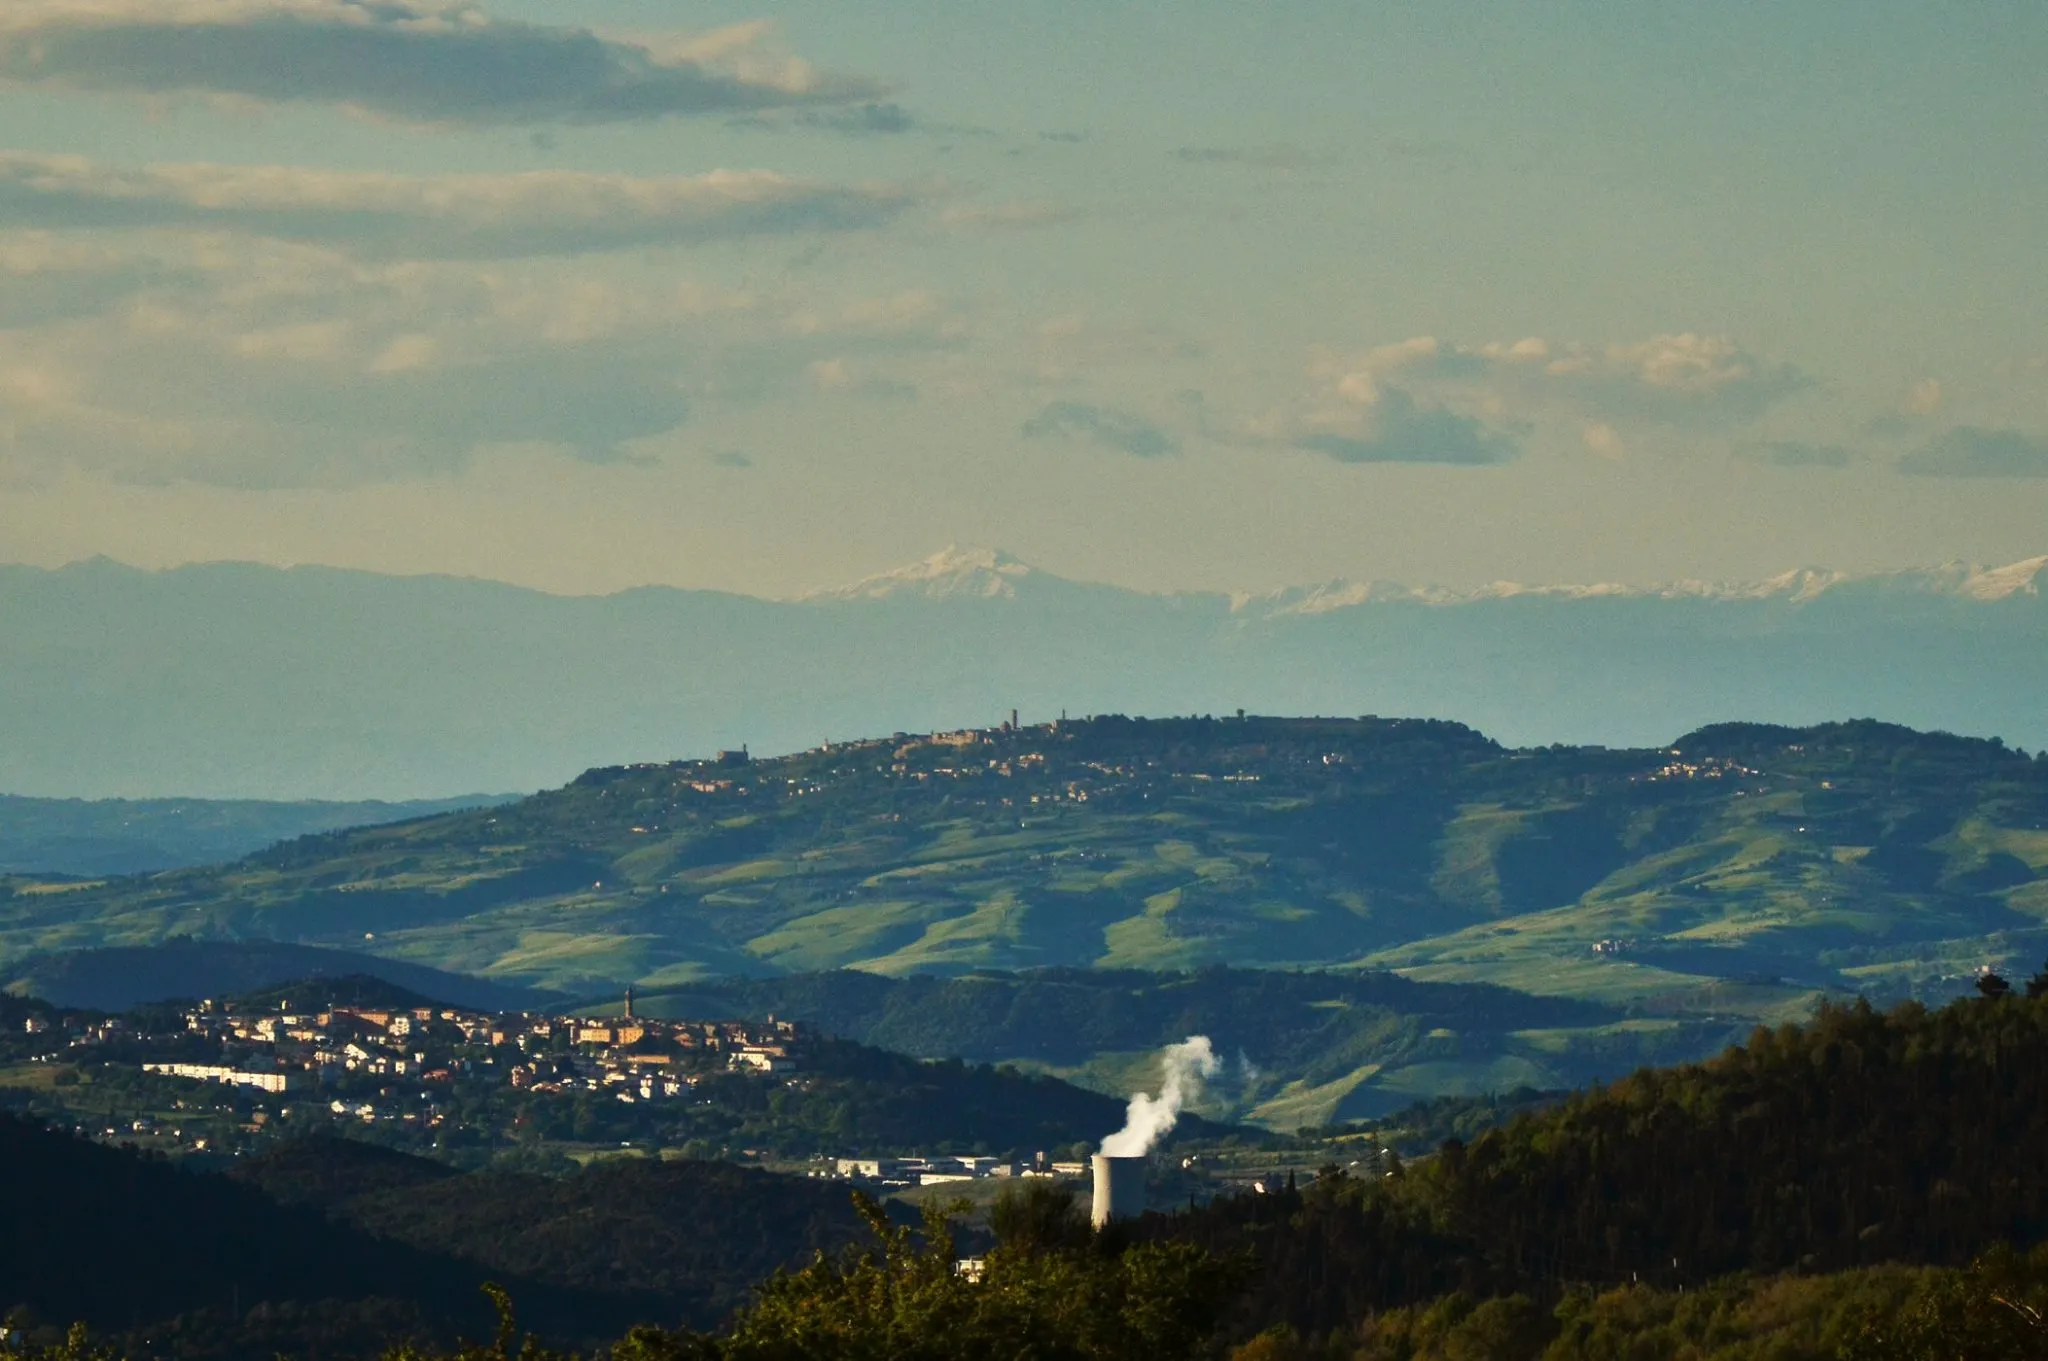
339 1249
672 1239
1668 1212
1865 1137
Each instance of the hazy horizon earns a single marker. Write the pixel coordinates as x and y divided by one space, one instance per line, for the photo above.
250 681
771 298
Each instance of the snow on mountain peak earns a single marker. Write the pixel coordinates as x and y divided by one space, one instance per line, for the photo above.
1795 587
951 573
956 573
1996 583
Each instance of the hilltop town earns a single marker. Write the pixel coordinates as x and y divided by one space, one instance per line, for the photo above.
223 1077
630 1057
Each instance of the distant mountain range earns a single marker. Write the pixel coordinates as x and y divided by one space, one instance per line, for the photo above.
236 680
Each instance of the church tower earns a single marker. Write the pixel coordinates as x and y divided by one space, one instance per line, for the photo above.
629 1002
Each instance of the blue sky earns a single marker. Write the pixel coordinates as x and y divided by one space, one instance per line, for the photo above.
1202 296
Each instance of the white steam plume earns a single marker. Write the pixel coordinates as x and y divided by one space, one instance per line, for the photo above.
1184 1066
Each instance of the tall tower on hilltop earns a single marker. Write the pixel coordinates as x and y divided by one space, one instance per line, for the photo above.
629 1002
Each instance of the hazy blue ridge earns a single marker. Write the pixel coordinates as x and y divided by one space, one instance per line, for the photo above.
235 680
132 836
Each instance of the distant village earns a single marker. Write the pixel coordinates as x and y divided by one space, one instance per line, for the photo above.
414 1057
631 1057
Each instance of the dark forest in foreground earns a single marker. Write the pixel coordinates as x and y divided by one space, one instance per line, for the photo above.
1879 1143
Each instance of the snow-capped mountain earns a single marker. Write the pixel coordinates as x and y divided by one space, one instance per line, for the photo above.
952 573
1961 580
236 680
956 573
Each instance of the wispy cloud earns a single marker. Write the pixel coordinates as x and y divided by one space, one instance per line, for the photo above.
857 120
1258 157
836 375
534 213
1120 430
1970 451
1801 454
1007 216
407 60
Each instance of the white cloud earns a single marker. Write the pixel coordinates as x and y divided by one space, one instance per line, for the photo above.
1672 378
1358 415
402 59
532 213
263 364
1428 400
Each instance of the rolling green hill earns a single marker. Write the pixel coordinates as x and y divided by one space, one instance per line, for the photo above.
1845 855
1734 875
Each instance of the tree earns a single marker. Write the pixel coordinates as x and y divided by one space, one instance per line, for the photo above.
902 1299
1993 1310
1038 1216
1993 986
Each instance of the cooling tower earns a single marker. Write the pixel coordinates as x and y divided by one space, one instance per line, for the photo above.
1119 1189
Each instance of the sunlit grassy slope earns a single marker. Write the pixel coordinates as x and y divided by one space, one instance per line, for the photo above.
1733 875
1760 858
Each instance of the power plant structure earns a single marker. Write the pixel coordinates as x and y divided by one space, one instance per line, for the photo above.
1119 1188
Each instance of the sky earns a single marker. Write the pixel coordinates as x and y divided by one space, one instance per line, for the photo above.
768 298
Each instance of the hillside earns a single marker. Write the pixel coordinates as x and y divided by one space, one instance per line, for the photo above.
1735 872
119 977
678 1238
235 680
334 1248
1865 1137
1307 1047
1865 1141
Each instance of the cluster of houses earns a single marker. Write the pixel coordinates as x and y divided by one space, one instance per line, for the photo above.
1706 768
632 1057
894 1173
643 1059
